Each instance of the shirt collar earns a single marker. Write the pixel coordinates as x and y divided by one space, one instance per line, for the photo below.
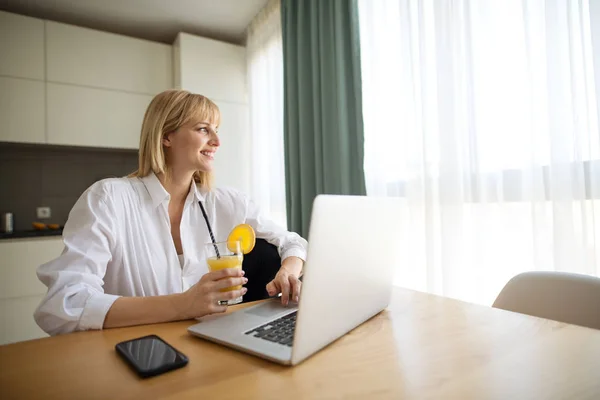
195 193
159 194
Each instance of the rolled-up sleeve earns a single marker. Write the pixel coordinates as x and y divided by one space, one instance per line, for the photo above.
75 299
289 244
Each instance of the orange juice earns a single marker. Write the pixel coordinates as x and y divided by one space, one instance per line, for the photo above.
216 264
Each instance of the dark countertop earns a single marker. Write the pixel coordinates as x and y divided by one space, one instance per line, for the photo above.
31 234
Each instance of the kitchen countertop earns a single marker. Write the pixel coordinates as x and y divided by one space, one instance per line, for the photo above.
33 233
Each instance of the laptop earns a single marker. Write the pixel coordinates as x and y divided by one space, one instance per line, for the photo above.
352 253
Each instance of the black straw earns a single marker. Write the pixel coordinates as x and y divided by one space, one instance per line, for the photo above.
212 237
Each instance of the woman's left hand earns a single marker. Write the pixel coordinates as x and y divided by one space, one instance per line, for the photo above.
287 280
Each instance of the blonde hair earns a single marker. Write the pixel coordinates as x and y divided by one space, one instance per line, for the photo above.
167 112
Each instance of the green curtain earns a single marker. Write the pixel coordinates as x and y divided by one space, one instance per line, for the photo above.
323 124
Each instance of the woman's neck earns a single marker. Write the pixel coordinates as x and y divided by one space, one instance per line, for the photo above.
176 184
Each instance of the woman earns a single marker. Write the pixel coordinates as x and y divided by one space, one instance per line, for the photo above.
135 247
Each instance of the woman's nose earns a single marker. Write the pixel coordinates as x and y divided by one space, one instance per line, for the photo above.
214 140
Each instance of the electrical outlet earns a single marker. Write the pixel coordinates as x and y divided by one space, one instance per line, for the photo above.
43 212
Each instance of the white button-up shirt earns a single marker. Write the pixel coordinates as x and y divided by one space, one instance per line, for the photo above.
118 243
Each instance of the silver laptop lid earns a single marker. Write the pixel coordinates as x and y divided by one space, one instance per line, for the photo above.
352 253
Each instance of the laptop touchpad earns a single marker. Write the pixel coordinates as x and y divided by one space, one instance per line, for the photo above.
269 309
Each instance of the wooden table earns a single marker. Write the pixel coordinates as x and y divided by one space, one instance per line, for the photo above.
421 347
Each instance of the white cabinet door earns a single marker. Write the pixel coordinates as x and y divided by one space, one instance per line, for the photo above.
20 289
22 110
19 262
21 46
232 162
93 58
217 70
214 69
16 320
80 116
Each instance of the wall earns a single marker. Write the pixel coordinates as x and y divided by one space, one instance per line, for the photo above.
55 176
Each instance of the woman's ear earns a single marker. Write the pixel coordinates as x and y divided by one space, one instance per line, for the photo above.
166 141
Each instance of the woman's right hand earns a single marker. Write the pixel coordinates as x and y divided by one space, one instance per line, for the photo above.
203 298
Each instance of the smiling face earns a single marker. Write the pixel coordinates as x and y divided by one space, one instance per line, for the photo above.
192 146
179 134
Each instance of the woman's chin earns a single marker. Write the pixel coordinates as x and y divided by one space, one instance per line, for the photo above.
205 167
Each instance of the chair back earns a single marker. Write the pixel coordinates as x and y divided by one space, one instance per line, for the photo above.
566 297
261 266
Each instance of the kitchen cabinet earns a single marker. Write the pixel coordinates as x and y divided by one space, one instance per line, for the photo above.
86 57
22 110
67 85
217 70
232 161
16 319
214 69
20 289
21 46
83 116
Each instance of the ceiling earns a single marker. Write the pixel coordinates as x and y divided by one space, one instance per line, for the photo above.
157 20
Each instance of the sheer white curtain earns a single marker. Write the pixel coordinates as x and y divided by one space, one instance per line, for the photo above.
265 88
482 116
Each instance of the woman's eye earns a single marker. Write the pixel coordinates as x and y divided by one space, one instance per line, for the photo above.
203 130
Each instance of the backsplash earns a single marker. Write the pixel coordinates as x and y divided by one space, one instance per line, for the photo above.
34 176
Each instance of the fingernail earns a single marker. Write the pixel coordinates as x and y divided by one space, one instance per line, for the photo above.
245 280
243 272
244 290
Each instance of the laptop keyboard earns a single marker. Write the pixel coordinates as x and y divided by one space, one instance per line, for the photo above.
280 330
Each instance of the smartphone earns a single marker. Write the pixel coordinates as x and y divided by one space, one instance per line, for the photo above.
150 355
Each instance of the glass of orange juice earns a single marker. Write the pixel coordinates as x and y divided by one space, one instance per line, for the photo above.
222 255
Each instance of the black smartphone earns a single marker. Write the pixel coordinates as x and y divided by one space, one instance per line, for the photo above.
150 355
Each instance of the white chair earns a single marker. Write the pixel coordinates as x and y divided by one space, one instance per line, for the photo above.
561 296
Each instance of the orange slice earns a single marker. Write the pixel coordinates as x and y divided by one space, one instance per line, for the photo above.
39 226
245 235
